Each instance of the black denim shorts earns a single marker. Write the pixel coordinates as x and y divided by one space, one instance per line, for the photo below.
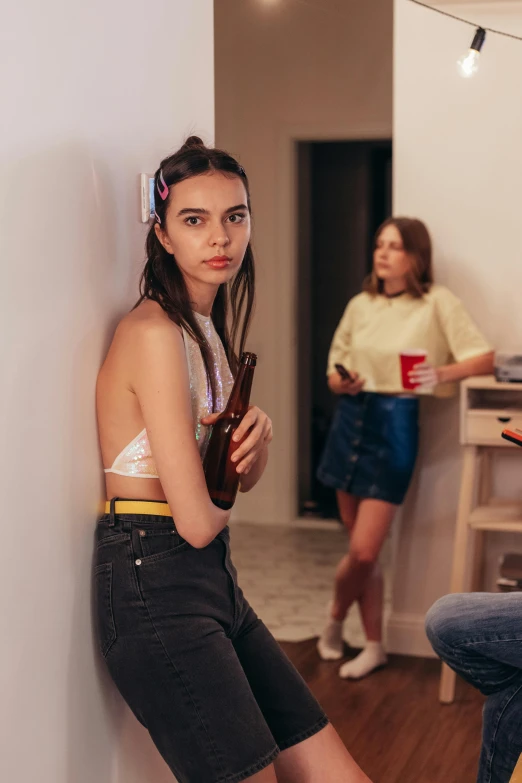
190 657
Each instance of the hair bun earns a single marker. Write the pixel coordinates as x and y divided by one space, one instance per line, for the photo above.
193 142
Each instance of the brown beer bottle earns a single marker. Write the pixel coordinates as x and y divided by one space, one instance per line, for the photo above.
220 472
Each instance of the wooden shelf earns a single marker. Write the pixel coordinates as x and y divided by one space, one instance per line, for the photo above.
501 518
490 382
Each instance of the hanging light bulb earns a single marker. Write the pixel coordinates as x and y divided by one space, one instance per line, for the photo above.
468 64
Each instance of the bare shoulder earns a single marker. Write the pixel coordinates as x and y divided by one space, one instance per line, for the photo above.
145 329
147 322
143 337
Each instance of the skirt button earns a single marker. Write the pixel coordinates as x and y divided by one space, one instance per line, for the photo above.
138 562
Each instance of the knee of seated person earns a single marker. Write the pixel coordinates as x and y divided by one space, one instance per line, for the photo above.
443 620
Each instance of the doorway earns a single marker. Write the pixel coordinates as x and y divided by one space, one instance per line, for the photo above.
344 194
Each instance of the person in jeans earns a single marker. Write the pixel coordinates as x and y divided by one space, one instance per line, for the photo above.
191 658
479 635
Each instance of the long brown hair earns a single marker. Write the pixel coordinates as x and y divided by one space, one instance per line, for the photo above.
162 279
417 243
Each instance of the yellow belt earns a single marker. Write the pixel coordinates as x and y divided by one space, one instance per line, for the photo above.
153 507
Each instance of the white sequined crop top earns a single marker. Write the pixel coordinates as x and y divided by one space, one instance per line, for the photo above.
136 460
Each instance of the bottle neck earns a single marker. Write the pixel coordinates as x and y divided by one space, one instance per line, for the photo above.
240 395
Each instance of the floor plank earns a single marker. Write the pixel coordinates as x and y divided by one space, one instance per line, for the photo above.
393 723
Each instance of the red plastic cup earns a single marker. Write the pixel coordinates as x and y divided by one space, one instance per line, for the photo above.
408 361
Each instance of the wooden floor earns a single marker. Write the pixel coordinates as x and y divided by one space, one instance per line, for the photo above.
393 723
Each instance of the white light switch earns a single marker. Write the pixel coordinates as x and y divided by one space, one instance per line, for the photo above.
147 197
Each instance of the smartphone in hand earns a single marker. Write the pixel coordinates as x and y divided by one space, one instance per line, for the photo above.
515 436
343 372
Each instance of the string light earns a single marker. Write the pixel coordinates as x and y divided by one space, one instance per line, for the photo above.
468 64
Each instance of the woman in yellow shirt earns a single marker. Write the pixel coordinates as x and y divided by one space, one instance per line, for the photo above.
372 445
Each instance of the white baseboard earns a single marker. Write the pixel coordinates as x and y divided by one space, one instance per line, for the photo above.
405 635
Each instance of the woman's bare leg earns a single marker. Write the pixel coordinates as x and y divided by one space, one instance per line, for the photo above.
321 758
359 578
371 603
267 775
330 645
372 597
348 506
374 518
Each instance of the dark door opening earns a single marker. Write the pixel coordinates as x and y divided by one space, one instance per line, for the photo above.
344 194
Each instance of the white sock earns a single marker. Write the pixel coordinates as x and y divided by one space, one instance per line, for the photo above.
330 645
369 659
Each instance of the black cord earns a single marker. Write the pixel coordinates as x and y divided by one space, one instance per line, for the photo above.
466 21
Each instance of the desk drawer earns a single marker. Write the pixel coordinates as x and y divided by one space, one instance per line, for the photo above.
484 427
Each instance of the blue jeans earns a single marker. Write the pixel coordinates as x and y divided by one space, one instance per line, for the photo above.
480 636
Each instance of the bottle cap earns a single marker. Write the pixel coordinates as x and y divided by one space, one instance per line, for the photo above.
250 359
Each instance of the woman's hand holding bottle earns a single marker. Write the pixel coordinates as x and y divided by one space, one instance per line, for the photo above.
255 431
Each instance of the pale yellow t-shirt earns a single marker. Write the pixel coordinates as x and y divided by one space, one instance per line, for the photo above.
374 330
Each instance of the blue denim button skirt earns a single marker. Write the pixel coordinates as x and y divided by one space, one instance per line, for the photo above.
372 446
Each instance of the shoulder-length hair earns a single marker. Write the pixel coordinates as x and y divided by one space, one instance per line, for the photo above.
417 243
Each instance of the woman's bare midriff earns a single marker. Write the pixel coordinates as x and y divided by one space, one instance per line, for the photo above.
133 488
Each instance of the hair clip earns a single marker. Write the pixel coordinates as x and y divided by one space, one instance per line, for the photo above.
163 191
241 170
157 218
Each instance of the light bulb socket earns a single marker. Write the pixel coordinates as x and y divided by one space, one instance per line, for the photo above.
478 39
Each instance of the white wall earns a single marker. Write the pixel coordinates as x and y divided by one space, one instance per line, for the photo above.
91 95
319 70
457 165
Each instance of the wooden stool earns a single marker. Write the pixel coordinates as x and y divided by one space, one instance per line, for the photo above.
486 408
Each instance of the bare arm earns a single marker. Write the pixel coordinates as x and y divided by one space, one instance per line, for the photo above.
478 365
159 378
427 375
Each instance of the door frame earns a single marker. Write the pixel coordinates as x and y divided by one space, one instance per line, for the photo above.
285 416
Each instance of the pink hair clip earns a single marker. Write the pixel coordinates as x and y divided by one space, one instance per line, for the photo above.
164 190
